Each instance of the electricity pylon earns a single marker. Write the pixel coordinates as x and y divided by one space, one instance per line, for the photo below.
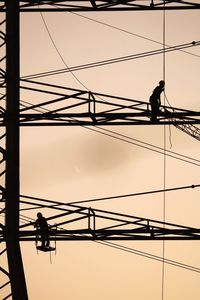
11 121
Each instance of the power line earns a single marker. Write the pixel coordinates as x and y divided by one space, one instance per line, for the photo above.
108 61
107 198
51 38
112 197
132 141
150 145
148 255
135 194
130 33
105 62
135 144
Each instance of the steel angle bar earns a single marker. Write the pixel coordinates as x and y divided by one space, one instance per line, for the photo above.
105 5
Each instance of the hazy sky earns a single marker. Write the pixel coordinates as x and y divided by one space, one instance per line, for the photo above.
69 164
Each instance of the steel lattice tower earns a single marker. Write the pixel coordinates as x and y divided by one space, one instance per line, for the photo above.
9 108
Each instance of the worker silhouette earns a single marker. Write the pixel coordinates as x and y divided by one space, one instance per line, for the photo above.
155 101
43 229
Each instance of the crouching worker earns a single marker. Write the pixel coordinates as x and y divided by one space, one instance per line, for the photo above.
43 230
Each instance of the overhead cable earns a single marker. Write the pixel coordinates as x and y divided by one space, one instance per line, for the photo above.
142 146
112 197
132 141
129 32
135 194
148 255
57 50
110 61
149 145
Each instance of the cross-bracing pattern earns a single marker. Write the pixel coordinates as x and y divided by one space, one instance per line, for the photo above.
63 106
107 5
75 222
4 273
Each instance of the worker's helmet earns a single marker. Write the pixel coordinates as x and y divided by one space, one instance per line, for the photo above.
39 215
162 82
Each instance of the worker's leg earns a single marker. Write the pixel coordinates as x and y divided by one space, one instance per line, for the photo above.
47 239
153 112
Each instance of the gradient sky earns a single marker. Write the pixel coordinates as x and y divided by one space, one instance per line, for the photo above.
71 164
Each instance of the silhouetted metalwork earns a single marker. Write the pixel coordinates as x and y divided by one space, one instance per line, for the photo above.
65 106
4 272
63 109
9 148
189 129
105 5
75 222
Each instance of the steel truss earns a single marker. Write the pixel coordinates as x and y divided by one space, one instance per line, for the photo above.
5 287
105 5
75 222
65 106
82 223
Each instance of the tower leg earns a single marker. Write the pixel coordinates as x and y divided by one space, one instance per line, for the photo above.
16 272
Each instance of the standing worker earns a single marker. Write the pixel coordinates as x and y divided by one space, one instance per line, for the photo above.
43 229
155 100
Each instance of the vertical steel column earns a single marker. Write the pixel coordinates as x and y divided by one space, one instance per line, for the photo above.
17 278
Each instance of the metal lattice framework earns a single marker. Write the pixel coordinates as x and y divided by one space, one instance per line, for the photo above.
107 5
99 110
75 222
65 106
10 153
4 272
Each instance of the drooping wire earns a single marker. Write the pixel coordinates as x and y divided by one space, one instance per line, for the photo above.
57 50
163 208
101 63
170 136
163 258
51 38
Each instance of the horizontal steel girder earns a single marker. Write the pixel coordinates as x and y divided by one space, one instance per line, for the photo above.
64 106
103 5
139 234
108 235
76 223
